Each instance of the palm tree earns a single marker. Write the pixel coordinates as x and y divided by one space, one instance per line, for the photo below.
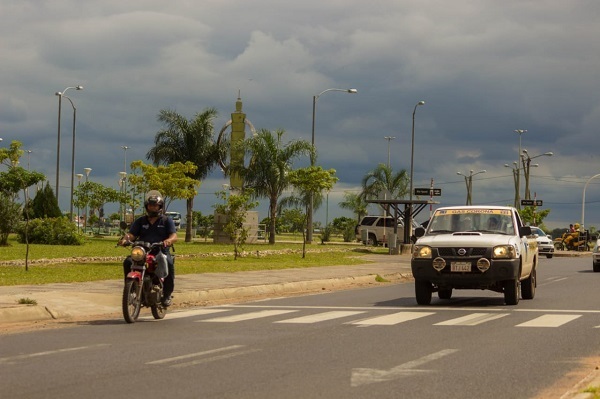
382 179
355 203
268 168
185 140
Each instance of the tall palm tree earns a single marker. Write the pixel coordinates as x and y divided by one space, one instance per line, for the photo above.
185 140
268 168
383 179
355 203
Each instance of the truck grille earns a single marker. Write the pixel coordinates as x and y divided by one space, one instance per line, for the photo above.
470 252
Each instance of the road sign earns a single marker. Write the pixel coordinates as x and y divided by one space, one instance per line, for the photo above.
428 191
532 202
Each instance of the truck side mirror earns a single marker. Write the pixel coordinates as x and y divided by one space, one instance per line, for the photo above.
524 231
419 232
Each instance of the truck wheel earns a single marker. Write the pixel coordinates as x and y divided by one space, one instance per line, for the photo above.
596 267
423 290
511 292
528 285
445 293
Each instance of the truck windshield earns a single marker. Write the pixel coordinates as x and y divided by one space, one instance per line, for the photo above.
495 221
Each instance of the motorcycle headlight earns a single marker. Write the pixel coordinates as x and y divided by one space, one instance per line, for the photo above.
138 254
422 252
504 252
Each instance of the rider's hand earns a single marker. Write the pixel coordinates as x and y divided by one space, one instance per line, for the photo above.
167 243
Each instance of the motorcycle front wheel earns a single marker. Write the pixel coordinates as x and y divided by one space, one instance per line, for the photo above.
132 302
158 311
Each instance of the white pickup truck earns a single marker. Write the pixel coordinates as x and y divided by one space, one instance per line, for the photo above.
475 247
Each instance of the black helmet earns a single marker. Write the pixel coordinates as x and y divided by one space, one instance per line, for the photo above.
154 197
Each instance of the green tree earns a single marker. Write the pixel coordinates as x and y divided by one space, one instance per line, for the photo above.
235 208
173 180
45 204
355 203
531 216
94 196
185 140
307 182
269 167
382 179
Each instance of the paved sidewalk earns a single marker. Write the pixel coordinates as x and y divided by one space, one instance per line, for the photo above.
61 301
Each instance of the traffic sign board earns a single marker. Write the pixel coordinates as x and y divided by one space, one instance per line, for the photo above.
428 191
532 202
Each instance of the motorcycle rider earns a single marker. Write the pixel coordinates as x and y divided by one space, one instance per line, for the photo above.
154 227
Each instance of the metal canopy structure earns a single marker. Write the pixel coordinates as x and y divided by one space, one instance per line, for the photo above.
392 207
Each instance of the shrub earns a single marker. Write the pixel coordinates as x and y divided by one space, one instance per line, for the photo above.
51 231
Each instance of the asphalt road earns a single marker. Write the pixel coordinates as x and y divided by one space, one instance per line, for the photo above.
373 342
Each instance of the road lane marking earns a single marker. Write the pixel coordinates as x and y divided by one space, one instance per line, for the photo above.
315 318
362 376
247 316
550 320
472 319
46 353
190 355
391 319
199 359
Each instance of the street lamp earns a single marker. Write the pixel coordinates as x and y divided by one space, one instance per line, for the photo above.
60 95
72 154
87 174
469 183
309 216
583 201
526 159
412 156
125 148
389 138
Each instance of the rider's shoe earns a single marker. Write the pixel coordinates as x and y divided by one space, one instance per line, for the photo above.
166 301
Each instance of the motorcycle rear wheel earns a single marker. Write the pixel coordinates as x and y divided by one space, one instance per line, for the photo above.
158 311
132 303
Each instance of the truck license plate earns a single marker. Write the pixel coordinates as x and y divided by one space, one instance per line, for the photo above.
460 266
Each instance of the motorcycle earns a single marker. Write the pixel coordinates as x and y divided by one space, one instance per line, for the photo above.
144 283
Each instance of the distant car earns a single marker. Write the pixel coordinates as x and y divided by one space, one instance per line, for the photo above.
545 243
176 216
596 258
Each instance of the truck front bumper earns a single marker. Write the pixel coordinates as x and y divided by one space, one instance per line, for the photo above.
500 270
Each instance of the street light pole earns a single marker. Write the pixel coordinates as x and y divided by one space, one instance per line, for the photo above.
389 138
309 216
519 159
526 159
60 96
408 228
72 155
469 183
516 176
79 176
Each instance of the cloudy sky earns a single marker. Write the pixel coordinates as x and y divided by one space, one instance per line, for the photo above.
484 68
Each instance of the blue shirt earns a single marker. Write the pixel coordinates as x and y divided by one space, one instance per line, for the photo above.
143 230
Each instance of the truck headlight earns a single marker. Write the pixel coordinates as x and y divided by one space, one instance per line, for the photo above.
504 252
422 252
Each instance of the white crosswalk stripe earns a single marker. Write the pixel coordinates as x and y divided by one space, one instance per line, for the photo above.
471 319
550 320
316 318
391 319
248 316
